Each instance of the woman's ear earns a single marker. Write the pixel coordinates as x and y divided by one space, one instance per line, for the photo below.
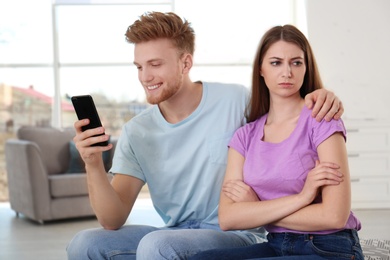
261 73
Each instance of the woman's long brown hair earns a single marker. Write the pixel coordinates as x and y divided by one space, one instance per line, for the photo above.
260 100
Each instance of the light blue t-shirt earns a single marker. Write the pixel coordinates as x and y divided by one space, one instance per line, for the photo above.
183 164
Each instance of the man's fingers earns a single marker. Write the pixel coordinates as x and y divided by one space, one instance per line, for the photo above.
80 123
340 111
309 101
325 107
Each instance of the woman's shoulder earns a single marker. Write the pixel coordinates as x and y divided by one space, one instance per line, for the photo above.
320 130
307 115
252 127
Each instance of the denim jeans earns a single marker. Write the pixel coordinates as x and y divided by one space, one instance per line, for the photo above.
340 245
147 242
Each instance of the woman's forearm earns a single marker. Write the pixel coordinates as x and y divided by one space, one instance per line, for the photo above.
254 214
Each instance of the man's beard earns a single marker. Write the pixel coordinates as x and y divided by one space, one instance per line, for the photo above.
166 93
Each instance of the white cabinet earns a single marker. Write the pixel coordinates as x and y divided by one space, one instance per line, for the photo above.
368 144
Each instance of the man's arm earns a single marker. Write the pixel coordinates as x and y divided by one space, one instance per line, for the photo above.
325 104
111 202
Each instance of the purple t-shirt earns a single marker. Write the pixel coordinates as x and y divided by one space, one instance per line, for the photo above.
276 170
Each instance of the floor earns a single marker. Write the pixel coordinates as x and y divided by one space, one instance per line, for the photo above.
23 239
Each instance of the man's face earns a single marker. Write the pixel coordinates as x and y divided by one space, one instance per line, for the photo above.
160 69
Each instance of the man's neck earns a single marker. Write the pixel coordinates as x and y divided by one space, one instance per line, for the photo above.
183 104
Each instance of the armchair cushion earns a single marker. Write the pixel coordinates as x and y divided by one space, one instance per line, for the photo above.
53 146
67 185
76 164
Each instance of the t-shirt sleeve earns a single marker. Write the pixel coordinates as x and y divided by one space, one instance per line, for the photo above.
237 141
323 130
125 161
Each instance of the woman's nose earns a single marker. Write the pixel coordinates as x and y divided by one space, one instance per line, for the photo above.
287 71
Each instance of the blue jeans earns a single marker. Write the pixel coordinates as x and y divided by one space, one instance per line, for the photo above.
340 245
147 242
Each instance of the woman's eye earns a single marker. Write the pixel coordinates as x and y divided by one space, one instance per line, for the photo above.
274 63
297 63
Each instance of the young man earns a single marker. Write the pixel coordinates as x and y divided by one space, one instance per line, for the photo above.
178 147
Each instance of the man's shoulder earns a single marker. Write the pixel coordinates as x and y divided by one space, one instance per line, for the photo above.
226 85
233 89
142 116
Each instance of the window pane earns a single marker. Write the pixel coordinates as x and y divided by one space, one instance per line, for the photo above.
118 83
27 96
227 74
95 33
116 91
41 79
25 32
229 31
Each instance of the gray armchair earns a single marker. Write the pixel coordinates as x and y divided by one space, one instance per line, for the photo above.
43 182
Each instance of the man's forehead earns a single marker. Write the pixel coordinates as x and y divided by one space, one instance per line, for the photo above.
153 51
148 60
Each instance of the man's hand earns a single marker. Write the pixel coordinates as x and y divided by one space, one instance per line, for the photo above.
84 141
325 104
239 191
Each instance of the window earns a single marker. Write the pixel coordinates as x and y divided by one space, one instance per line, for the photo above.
74 47
51 50
25 36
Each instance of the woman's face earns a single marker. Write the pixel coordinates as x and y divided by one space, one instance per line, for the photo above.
283 68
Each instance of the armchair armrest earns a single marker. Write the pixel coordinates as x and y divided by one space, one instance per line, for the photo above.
27 179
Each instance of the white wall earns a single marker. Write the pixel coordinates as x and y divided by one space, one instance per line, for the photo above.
351 41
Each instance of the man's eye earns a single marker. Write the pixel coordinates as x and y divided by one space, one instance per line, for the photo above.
156 65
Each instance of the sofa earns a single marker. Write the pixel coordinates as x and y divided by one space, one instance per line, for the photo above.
46 175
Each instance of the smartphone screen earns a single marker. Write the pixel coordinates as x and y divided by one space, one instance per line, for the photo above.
85 108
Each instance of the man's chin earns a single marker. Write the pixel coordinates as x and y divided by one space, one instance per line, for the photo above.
159 98
153 100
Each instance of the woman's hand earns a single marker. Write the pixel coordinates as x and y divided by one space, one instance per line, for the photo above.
322 174
239 191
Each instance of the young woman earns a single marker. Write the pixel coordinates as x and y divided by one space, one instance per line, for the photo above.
286 171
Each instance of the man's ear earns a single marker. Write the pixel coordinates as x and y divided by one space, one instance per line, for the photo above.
187 62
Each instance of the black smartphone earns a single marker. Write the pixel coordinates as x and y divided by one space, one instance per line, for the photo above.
85 108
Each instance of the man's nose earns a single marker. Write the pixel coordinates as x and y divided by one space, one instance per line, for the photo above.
145 75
